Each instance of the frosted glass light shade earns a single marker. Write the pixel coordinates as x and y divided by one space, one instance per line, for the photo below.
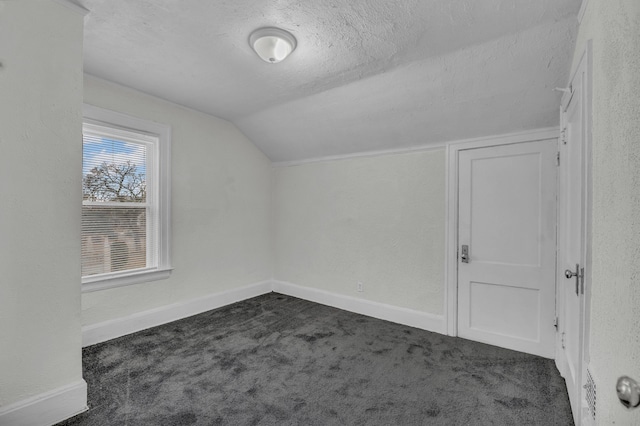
272 44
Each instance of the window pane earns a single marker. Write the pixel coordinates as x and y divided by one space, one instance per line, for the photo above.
113 239
113 170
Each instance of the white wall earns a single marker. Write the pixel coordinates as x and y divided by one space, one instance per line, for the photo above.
40 156
221 194
614 27
379 220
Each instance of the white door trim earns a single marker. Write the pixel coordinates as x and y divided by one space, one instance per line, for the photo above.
451 238
588 58
585 65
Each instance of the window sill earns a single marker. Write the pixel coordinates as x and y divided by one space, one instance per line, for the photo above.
90 284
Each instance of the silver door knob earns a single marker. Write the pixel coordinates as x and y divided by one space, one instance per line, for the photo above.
579 274
464 254
628 392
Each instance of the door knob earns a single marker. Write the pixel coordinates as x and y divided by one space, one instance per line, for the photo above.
464 254
579 274
628 392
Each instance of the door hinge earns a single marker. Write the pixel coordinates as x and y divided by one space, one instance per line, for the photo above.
563 136
562 340
558 158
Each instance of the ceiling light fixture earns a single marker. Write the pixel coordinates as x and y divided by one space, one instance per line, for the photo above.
272 44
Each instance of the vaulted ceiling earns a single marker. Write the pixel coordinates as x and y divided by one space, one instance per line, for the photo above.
366 74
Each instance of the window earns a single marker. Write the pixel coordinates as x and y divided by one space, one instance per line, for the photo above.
125 200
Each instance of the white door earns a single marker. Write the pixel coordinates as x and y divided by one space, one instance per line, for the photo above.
507 219
572 241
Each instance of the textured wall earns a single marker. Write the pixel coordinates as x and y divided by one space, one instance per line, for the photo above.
615 306
221 186
40 159
379 220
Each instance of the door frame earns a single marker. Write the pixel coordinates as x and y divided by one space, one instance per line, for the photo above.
451 213
585 65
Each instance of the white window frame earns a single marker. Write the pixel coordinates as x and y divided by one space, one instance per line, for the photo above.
162 172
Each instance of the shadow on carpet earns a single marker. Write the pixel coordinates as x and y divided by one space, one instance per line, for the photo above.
278 360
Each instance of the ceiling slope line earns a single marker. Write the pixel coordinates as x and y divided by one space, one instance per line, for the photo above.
363 154
537 134
73 6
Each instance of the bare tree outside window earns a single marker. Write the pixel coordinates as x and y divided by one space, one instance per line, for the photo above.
114 182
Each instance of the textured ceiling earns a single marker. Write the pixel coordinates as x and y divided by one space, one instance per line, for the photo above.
366 75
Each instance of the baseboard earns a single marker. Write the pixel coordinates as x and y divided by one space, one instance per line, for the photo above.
410 317
47 408
101 332
112 329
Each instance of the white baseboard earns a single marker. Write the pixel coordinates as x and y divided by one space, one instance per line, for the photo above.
47 408
101 332
410 317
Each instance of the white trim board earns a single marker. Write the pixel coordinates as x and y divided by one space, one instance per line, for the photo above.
516 136
507 138
410 317
107 330
583 9
355 155
451 232
47 408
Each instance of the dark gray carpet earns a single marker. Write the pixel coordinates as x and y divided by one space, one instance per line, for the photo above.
278 360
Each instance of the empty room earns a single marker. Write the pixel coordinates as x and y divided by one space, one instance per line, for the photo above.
333 212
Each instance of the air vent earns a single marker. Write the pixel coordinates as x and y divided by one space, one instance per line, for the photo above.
590 394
